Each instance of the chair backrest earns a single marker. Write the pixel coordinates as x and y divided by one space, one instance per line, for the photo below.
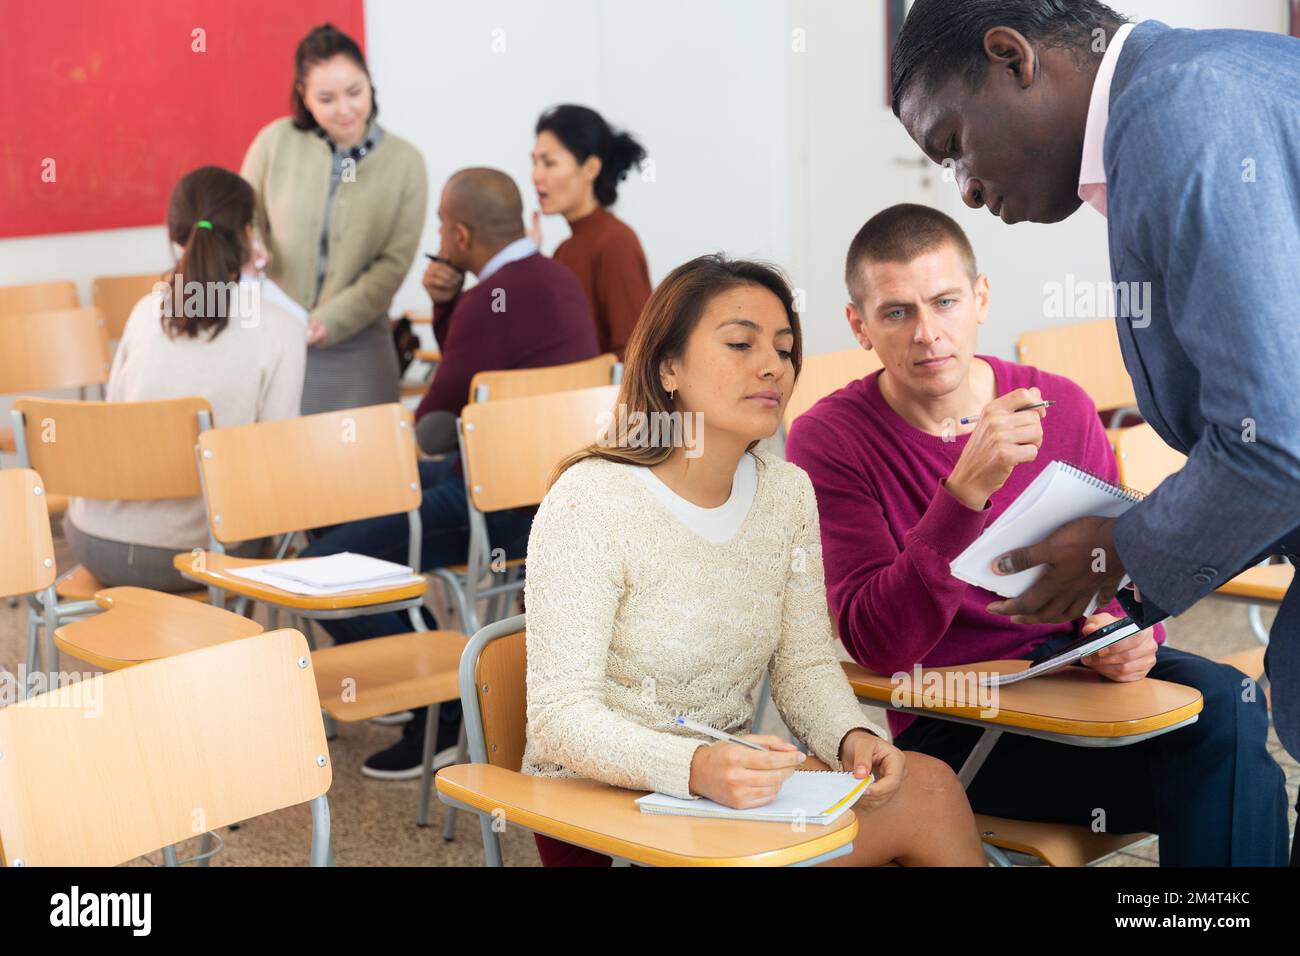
311 472
510 448
116 296
38 297
493 685
826 373
178 746
526 382
27 554
1086 353
43 351
129 451
1144 458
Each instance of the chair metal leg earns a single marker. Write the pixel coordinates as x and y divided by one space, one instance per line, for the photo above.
1256 616
491 841
322 850
331 729
33 654
426 768
983 747
462 756
51 662
205 847
996 856
303 626
169 856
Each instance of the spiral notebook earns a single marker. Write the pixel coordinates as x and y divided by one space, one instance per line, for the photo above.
809 796
1060 494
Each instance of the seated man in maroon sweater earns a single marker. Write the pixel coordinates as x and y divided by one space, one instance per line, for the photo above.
526 311
902 489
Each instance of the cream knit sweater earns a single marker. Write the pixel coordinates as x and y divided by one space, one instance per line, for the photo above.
634 619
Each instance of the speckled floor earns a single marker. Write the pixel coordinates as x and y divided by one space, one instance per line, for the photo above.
374 821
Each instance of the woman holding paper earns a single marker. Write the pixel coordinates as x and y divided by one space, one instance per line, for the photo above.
670 568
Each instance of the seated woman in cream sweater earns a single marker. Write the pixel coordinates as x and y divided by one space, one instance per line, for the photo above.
665 576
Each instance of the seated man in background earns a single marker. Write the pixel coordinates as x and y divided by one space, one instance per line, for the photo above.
532 313
903 488
526 311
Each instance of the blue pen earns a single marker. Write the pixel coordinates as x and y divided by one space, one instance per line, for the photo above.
1027 408
717 734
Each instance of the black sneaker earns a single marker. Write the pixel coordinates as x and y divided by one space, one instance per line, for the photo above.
404 760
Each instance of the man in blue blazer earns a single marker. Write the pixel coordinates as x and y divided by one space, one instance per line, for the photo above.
1189 142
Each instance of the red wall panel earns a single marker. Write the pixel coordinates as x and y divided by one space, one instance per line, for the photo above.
114 93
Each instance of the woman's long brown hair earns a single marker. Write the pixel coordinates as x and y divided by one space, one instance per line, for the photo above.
661 333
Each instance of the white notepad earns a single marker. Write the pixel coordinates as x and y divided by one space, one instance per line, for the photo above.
332 574
808 796
1060 494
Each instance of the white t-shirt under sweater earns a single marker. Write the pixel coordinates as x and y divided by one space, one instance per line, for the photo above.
248 374
716 524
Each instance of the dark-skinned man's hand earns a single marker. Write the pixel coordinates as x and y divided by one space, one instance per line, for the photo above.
1081 564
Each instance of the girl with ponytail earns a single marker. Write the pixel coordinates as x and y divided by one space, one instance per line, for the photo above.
578 163
210 328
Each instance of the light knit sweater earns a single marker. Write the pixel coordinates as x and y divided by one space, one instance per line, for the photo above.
634 619
251 372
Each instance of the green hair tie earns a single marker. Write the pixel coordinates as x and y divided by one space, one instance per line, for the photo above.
203 224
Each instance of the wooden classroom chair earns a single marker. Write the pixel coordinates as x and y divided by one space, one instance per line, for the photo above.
27 555
116 296
508 450
138 625
123 451
823 374
233 731
38 297
584 812
46 351
1144 462
525 382
1088 354
276 479
1074 706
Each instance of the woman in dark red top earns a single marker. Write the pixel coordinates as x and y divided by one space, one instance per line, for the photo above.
578 162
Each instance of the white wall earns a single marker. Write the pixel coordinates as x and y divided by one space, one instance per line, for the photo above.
850 159
693 81
758 149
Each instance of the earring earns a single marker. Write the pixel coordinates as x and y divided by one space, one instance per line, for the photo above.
671 393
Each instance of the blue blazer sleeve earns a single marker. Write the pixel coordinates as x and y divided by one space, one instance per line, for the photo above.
1205 199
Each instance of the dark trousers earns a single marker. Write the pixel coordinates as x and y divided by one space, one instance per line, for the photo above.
1210 790
444 518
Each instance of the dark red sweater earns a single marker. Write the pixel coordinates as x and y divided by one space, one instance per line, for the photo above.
528 314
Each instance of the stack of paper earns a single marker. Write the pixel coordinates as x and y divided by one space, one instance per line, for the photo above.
334 574
809 796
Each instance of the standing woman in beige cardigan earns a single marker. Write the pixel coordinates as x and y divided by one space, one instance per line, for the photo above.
340 204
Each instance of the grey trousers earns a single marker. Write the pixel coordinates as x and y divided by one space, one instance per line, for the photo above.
122 564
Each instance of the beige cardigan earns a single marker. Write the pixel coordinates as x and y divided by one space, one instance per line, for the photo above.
375 222
633 619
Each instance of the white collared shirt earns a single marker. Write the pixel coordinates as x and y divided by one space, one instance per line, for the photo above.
1092 172
521 248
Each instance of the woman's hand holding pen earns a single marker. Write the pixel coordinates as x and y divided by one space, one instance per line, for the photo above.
1003 438
739 777
862 753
